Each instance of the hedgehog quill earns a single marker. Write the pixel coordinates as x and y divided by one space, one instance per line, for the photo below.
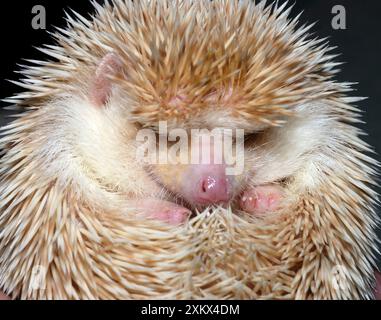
298 222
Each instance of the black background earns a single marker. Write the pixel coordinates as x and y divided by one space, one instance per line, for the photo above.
359 44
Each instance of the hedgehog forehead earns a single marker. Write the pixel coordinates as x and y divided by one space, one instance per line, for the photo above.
224 106
181 75
181 92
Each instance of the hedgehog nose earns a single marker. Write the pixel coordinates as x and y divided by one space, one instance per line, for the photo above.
213 190
213 187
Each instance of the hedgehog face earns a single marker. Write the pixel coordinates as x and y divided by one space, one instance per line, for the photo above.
207 180
269 152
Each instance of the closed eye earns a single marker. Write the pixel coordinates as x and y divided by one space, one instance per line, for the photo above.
252 136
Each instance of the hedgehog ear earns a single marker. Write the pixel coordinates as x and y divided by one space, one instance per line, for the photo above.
101 85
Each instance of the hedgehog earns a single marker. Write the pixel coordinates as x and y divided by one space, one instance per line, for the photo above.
76 204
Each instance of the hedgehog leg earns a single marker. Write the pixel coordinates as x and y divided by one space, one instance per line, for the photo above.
160 210
262 199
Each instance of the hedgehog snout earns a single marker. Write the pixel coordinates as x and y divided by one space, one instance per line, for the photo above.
207 184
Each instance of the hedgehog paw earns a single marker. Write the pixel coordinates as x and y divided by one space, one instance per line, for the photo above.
161 210
262 199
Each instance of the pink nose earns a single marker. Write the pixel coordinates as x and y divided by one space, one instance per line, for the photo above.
213 189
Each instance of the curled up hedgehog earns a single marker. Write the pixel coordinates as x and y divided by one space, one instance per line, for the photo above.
96 222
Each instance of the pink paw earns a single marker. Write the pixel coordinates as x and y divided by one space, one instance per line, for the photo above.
165 211
262 199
